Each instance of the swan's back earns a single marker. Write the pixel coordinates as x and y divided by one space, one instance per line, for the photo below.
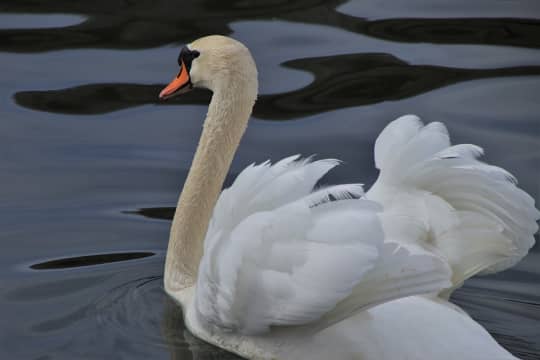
416 328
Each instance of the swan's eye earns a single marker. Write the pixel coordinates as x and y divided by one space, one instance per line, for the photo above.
187 56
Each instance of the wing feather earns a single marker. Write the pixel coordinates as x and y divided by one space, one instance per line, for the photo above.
285 255
475 214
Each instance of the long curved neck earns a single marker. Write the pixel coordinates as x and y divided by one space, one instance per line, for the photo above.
225 123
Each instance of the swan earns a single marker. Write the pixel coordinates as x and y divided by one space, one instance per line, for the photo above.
272 268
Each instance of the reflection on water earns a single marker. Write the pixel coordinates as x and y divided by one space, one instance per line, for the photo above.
340 81
164 213
81 271
140 24
88 260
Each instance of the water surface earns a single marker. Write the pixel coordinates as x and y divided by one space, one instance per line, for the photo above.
92 164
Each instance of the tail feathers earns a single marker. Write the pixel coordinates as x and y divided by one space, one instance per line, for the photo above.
477 216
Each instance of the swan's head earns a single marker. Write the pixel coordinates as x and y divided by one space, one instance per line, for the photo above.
214 62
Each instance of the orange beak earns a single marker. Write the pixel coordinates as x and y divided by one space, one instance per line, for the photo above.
179 85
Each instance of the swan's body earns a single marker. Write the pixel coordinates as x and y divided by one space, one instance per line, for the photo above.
415 327
271 269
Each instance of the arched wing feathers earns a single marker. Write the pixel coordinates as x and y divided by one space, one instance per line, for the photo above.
476 215
280 254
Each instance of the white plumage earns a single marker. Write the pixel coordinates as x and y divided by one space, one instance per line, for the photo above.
474 213
274 268
277 253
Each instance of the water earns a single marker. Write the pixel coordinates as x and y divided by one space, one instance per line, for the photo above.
92 164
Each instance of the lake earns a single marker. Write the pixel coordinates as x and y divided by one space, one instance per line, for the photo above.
92 163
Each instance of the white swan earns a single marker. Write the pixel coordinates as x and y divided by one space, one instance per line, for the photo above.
271 269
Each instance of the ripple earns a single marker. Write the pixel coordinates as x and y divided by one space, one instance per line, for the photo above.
89 260
499 311
53 289
142 312
340 81
133 307
138 25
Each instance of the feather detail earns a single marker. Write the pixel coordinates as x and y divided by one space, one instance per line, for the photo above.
401 270
475 214
280 254
336 192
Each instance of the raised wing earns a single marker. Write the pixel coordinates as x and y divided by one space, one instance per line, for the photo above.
278 254
475 214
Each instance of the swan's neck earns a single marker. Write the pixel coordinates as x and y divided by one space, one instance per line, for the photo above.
223 128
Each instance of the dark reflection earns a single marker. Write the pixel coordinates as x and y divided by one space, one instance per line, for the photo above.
362 79
102 98
143 24
515 32
163 213
340 81
490 31
89 260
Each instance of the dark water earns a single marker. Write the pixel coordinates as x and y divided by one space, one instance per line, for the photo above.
92 164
